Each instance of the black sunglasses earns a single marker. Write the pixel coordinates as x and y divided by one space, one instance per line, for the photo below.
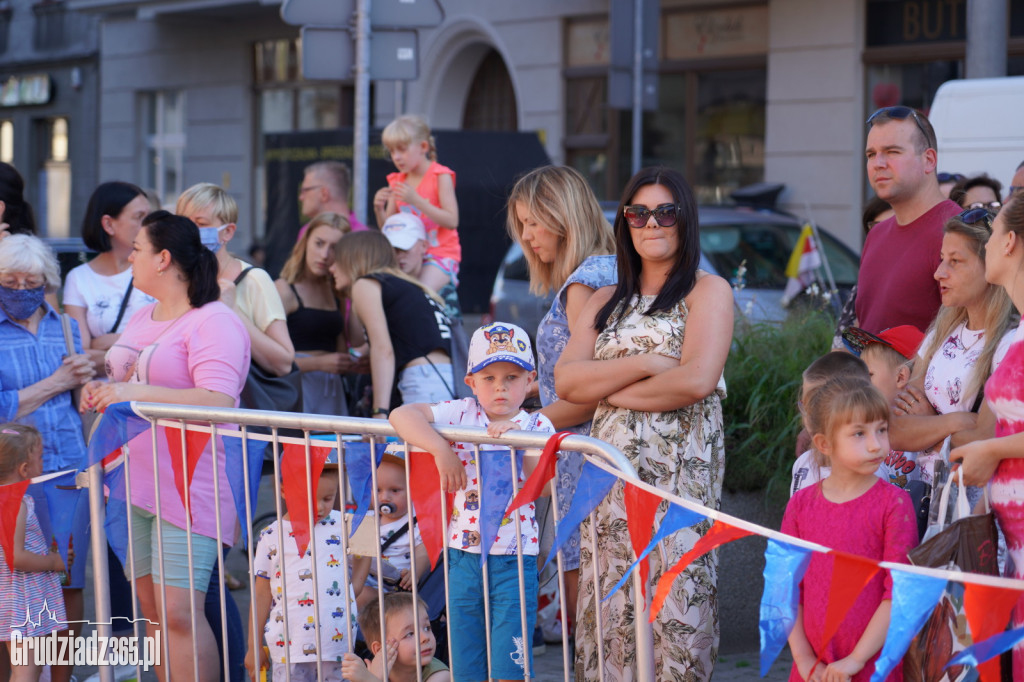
974 215
665 215
950 177
900 113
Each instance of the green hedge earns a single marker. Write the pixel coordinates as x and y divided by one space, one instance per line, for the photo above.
762 376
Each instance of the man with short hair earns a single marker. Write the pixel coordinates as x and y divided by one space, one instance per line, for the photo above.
896 284
325 187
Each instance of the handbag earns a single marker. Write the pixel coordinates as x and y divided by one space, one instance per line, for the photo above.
968 543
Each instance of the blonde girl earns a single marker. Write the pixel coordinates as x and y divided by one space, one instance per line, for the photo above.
426 188
408 333
315 317
851 511
34 584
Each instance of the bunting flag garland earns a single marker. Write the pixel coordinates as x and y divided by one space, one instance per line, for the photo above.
545 471
359 468
118 425
850 573
784 568
10 507
426 499
988 611
592 487
295 478
641 507
979 652
195 443
244 483
719 534
495 472
65 502
913 599
676 518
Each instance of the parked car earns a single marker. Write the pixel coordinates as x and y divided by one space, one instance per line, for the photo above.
761 240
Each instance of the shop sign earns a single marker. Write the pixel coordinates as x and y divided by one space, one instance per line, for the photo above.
903 22
736 32
19 91
588 43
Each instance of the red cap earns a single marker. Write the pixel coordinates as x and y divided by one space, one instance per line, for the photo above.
905 339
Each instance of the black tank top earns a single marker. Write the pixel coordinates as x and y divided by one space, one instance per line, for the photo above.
416 322
314 328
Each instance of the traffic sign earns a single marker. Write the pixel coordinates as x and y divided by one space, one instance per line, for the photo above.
327 54
622 21
383 13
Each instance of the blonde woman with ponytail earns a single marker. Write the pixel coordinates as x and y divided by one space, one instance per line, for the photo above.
408 333
963 346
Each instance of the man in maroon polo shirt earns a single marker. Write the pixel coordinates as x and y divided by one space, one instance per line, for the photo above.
896 284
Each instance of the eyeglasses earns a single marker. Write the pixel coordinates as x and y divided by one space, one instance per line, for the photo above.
303 190
665 215
14 282
991 206
899 113
974 215
950 177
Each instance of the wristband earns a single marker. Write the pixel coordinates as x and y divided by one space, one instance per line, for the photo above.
381 410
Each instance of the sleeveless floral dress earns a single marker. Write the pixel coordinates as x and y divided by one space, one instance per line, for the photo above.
680 452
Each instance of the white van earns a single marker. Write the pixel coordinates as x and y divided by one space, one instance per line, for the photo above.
978 126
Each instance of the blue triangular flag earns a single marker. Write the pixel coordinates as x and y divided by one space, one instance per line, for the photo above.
989 648
592 487
116 516
118 425
359 465
675 518
65 504
784 567
495 472
914 598
243 482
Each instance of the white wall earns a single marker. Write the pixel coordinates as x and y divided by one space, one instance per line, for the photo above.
815 129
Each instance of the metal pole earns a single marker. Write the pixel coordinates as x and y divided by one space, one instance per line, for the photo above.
638 81
987 22
101 585
361 124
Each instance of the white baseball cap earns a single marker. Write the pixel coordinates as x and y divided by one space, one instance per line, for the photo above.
499 342
403 230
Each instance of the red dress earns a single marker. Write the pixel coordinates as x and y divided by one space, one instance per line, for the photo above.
1005 394
880 525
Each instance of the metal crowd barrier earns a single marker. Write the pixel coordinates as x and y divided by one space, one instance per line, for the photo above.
372 430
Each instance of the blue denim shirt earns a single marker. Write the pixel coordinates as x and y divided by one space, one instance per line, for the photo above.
28 358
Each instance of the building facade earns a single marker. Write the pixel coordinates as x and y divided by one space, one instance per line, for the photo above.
748 91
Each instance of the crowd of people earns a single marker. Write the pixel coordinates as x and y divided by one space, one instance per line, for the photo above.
365 322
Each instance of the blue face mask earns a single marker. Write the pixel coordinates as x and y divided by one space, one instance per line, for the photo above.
19 304
210 237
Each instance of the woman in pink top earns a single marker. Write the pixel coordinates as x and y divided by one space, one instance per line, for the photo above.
999 461
426 188
187 348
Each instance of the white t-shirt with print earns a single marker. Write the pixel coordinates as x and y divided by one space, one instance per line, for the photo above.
101 296
951 367
398 555
303 598
464 529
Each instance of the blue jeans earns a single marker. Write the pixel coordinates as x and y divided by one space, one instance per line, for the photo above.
236 635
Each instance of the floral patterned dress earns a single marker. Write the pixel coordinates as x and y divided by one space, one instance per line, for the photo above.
680 452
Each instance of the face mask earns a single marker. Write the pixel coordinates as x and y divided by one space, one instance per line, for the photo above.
210 237
19 304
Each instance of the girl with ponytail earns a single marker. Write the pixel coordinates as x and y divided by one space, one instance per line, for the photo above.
186 348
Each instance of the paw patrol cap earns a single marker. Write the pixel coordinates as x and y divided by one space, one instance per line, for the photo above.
403 230
499 342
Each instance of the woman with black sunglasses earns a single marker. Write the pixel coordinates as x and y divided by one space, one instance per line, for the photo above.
654 358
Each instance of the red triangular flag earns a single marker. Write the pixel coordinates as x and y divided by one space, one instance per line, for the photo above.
544 472
719 534
294 479
988 611
426 500
640 509
195 443
10 505
850 573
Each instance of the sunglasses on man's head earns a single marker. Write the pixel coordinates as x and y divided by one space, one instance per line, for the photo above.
949 177
974 215
900 113
665 215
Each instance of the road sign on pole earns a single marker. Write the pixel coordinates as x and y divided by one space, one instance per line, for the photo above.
318 12
329 54
624 46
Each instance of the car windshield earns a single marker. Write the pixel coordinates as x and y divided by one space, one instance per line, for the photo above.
766 248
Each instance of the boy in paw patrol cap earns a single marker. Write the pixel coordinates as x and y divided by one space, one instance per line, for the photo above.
500 371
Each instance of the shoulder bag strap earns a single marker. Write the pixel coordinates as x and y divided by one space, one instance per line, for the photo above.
124 305
396 536
243 273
